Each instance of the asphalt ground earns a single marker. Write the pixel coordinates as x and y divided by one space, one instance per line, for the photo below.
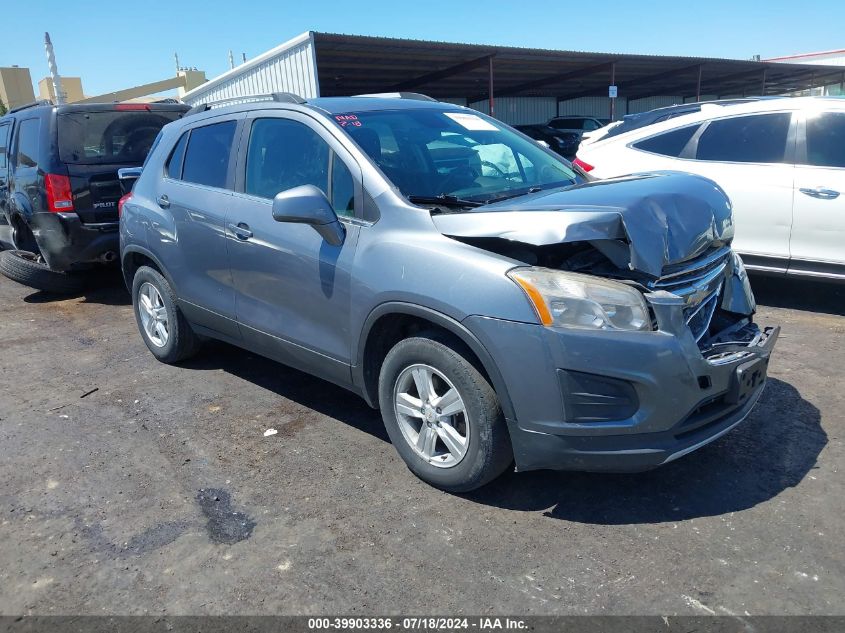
158 493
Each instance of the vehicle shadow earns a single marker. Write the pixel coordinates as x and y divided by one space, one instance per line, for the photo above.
799 294
105 287
772 450
297 386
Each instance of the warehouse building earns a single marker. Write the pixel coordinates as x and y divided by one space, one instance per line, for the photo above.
516 85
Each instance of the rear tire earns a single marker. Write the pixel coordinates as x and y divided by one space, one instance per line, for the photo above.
30 270
467 449
164 328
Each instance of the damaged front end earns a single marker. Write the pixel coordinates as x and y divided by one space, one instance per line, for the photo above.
629 401
663 233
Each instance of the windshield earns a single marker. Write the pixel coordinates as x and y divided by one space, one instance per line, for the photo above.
103 137
431 153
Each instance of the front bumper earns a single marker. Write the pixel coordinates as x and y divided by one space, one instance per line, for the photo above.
66 242
621 401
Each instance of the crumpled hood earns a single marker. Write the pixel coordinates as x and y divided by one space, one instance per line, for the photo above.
665 217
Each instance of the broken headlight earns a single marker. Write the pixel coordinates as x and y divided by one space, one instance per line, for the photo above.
573 300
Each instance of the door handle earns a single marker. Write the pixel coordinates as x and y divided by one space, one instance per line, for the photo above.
821 193
241 230
163 201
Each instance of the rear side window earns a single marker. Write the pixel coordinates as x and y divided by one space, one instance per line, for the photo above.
4 144
758 138
114 136
177 158
207 156
669 143
826 139
28 134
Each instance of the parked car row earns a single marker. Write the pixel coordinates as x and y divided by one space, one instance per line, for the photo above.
460 277
781 161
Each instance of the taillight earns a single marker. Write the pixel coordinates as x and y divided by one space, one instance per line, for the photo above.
59 193
583 165
123 200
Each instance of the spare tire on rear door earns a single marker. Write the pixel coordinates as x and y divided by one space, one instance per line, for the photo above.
30 270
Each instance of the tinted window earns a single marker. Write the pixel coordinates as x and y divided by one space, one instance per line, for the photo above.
826 139
91 138
283 154
177 157
669 143
207 156
759 138
28 133
4 137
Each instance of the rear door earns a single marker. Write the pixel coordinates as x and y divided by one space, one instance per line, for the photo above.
751 158
94 144
818 231
193 197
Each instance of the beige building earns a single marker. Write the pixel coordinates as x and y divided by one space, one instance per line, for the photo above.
15 86
71 86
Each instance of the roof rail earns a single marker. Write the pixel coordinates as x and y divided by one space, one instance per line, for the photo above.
278 97
415 96
40 102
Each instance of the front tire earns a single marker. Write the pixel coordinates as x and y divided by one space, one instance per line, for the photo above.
442 414
164 328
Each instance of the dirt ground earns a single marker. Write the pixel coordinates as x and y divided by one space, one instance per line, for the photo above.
158 493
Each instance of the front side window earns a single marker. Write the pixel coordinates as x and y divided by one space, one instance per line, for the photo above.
207 154
283 154
826 139
758 138
670 143
4 138
430 153
28 134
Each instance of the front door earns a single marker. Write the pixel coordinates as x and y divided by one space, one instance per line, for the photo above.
818 232
292 287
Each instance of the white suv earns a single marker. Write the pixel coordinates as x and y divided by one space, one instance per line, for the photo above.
781 162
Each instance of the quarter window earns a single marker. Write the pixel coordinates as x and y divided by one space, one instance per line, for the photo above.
758 138
28 134
177 158
207 156
669 143
826 139
284 154
4 136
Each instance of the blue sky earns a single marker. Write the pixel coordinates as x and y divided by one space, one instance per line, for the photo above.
117 44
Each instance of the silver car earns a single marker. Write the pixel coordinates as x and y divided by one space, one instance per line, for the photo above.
453 273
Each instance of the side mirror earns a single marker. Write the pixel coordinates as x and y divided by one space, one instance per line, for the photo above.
127 177
306 204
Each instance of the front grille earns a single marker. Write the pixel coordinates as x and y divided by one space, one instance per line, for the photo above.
699 282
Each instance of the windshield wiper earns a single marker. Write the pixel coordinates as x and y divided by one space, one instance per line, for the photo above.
445 200
508 196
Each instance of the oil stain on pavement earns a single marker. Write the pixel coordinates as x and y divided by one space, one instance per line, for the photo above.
224 525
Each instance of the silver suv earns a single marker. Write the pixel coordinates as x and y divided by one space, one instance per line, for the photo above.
453 273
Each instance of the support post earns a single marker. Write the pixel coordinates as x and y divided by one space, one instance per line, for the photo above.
763 84
613 99
490 109
698 85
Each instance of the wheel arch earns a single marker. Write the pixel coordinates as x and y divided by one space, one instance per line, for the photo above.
388 323
133 257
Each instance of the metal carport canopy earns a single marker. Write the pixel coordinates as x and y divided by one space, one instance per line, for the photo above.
355 64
